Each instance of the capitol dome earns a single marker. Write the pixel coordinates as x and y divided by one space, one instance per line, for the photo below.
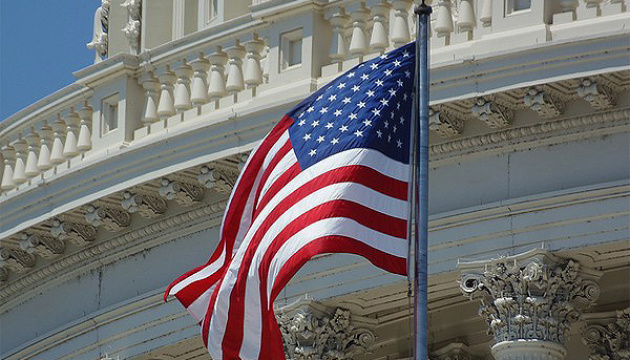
116 184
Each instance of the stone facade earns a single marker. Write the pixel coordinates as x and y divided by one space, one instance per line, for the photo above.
116 184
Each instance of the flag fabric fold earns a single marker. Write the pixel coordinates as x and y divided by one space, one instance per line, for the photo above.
330 177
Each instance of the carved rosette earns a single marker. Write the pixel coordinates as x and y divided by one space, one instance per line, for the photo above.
16 260
145 205
183 193
217 177
609 338
78 234
534 296
44 246
308 336
134 24
110 219
492 114
546 105
444 124
600 96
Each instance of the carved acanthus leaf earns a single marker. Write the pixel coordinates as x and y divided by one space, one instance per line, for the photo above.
134 24
183 193
4 274
217 177
44 246
109 218
491 113
532 298
444 124
78 234
308 336
545 104
609 339
16 260
145 205
600 96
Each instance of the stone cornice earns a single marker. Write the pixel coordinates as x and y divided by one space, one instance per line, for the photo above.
550 132
108 251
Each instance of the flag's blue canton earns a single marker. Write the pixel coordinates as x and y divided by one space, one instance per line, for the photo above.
367 107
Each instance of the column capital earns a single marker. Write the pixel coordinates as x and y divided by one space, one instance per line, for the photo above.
607 336
313 331
529 300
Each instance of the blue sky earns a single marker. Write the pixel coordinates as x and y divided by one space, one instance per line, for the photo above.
41 43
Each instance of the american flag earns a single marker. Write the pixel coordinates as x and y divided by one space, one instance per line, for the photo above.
330 177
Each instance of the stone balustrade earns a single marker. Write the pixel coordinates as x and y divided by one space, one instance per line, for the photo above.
235 63
46 142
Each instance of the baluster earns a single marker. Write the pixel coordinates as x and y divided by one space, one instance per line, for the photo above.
19 174
358 42
8 153
84 143
380 39
166 107
567 14
235 82
43 161
56 154
400 27
72 127
216 83
444 21
264 63
339 22
182 88
33 141
150 85
466 20
486 13
253 71
199 88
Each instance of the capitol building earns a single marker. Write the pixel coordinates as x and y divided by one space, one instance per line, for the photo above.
116 184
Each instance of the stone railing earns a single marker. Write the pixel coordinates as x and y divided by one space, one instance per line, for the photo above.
364 29
50 137
129 97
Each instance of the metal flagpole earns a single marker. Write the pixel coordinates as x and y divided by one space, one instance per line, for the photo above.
419 173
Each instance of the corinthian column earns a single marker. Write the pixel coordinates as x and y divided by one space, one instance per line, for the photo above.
529 301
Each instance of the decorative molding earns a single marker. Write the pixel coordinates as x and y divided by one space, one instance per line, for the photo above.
444 124
44 246
78 234
134 24
110 219
217 177
114 248
542 102
145 205
599 95
531 296
499 138
183 193
100 34
492 114
310 333
16 260
4 274
608 338
453 351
